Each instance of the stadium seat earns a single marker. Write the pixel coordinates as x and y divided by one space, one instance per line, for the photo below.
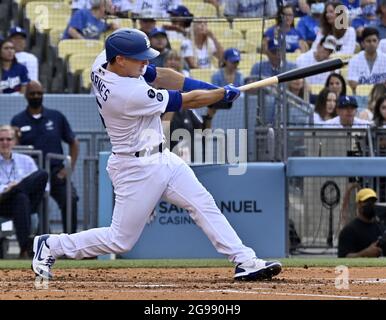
254 36
202 74
316 88
249 59
79 61
243 45
228 34
364 90
55 35
86 80
123 23
292 56
71 46
44 15
175 44
218 25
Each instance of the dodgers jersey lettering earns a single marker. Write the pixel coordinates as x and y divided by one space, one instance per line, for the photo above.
130 108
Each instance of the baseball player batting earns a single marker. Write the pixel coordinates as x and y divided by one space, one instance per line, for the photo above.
141 169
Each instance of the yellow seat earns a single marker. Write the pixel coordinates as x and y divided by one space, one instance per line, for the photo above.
292 56
202 74
86 79
218 25
68 47
122 23
246 25
316 88
202 10
228 34
79 61
364 90
243 45
175 44
55 34
45 15
341 56
255 36
249 59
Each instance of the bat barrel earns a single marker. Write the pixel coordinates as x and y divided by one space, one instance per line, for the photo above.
311 70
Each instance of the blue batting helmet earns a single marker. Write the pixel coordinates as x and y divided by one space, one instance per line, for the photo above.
130 43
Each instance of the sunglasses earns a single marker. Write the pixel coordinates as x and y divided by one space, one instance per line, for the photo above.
6 139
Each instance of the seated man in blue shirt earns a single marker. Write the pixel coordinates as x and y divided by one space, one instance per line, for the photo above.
88 24
22 188
45 129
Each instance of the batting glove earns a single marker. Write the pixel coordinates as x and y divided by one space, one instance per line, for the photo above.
231 93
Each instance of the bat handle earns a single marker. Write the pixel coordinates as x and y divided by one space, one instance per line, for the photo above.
259 84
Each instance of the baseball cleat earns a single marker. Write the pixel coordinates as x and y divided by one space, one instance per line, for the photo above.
42 261
257 269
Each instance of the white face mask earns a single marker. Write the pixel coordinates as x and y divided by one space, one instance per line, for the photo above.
144 70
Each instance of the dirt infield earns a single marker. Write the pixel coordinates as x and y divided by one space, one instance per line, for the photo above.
192 283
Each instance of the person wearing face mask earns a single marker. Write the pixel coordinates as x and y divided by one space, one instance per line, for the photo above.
368 17
45 129
309 25
359 238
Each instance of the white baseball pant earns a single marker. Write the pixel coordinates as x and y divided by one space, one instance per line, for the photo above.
139 183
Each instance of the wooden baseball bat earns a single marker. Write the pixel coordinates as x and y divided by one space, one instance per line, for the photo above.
298 73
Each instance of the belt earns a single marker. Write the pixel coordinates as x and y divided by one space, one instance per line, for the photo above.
142 153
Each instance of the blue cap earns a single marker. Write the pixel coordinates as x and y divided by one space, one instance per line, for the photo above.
157 31
180 11
232 55
273 45
17 30
347 101
131 43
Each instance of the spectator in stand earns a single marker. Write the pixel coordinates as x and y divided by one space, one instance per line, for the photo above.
378 91
353 7
299 88
22 187
146 23
368 18
308 25
122 8
183 119
80 4
369 65
13 75
294 43
88 23
330 25
325 107
301 7
335 82
250 9
228 73
18 37
323 51
45 129
381 12
174 60
380 112
272 67
359 238
154 8
181 19
159 41
198 52
346 109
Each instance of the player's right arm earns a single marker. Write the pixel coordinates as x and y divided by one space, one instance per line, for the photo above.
200 98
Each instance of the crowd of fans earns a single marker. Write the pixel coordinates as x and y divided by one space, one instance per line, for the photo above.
322 30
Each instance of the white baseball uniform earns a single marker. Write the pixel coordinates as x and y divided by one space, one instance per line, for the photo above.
131 111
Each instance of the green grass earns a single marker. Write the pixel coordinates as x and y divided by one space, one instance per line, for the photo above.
194 263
